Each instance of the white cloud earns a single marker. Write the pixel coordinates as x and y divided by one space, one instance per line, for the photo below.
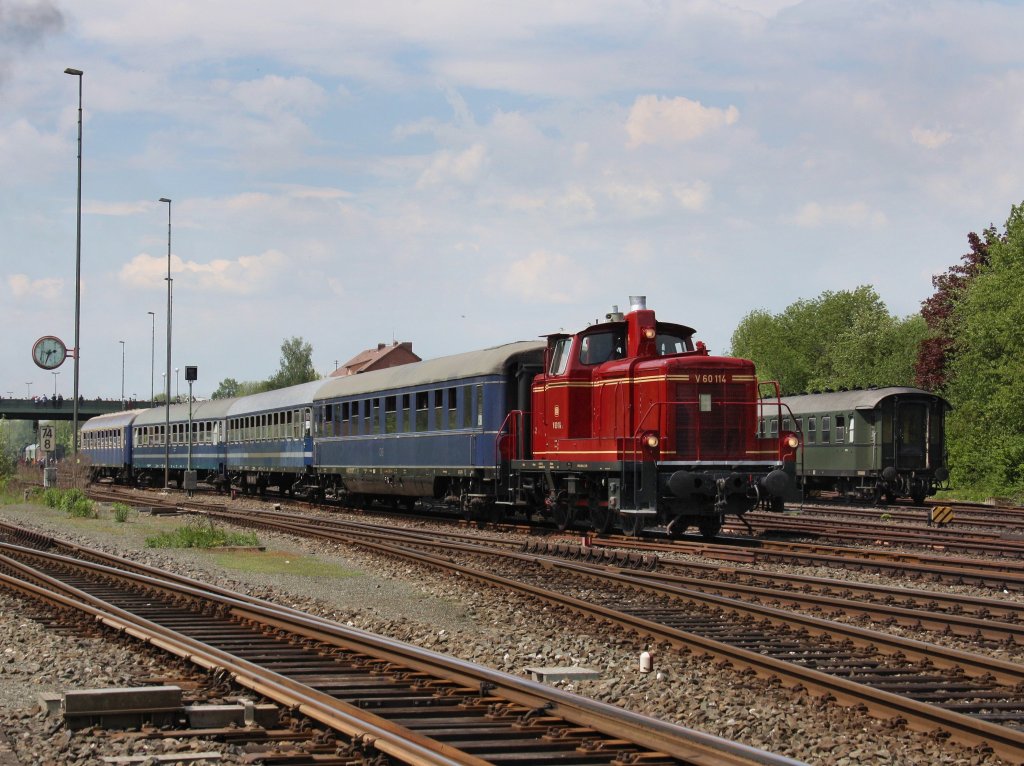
814 214
635 200
664 121
246 275
277 95
22 286
460 167
543 277
693 197
930 139
116 208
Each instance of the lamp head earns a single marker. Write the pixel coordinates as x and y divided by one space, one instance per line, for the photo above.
77 72
164 199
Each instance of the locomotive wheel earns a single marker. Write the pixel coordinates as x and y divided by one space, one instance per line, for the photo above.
709 527
633 524
601 519
918 498
562 516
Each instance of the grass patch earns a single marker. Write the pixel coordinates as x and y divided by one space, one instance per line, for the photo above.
201 534
73 502
280 562
121 512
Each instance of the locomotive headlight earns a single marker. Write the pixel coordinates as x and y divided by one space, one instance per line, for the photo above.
649 333
651 440
792 441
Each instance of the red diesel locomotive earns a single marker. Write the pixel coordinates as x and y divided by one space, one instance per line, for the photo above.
633 423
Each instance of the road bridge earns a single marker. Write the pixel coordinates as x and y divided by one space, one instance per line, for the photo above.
63 409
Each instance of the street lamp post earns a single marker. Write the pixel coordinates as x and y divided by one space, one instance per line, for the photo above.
190 478
78 263
55 374
122 373
177 386
28 383
152 354
167 375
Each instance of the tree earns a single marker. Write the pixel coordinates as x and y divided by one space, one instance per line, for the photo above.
845 339
936 352
227 389
296 364
985 384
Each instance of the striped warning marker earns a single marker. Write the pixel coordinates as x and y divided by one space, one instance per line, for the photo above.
942 515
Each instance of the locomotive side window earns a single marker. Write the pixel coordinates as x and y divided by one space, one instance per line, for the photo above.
840 429
560 357
811 428
773 427
602 347
826 429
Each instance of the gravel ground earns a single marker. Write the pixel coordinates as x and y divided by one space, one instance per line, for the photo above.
446 614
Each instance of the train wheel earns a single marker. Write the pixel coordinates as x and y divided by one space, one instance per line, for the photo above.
709 527
633 524
601 519
561 515
918 498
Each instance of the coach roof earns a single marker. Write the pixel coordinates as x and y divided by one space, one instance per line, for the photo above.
861 399
110 420
278 399
490 361
208 409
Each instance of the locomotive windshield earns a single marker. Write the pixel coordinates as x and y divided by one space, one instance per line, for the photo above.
670 343
603 346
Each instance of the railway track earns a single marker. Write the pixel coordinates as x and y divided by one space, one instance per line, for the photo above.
975 699
385 697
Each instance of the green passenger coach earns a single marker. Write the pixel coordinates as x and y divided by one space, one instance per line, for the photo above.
875 444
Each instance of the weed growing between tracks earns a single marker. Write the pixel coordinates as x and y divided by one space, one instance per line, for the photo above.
282 562
200 533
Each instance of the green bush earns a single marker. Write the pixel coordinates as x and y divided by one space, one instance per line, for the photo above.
72 501
121 512
201 534
52 497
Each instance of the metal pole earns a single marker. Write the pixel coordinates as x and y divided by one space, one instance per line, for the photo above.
122 373
152 354
167 377
55 374
190 430
78 265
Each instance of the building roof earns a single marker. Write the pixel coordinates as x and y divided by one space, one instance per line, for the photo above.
382 356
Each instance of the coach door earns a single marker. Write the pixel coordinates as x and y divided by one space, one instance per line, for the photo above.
911 435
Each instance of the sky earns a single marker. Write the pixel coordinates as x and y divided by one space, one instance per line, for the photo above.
462 173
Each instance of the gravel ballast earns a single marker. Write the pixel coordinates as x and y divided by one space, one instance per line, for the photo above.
452 615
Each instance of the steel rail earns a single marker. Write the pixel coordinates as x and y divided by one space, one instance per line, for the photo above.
690 746
1005 740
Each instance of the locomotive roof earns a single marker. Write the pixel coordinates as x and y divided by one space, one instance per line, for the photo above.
489 361
110 420
278 399
859 399
205 410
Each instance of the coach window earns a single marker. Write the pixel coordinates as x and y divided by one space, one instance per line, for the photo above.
406 414
826 429
453 408
328 418
849 433
812 426
773 427
840 429
375 421
479 405
422 403
438 409
390 414
467 406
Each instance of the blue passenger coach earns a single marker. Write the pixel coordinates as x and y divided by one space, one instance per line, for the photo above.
107 441
269 442
208 444
427 429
